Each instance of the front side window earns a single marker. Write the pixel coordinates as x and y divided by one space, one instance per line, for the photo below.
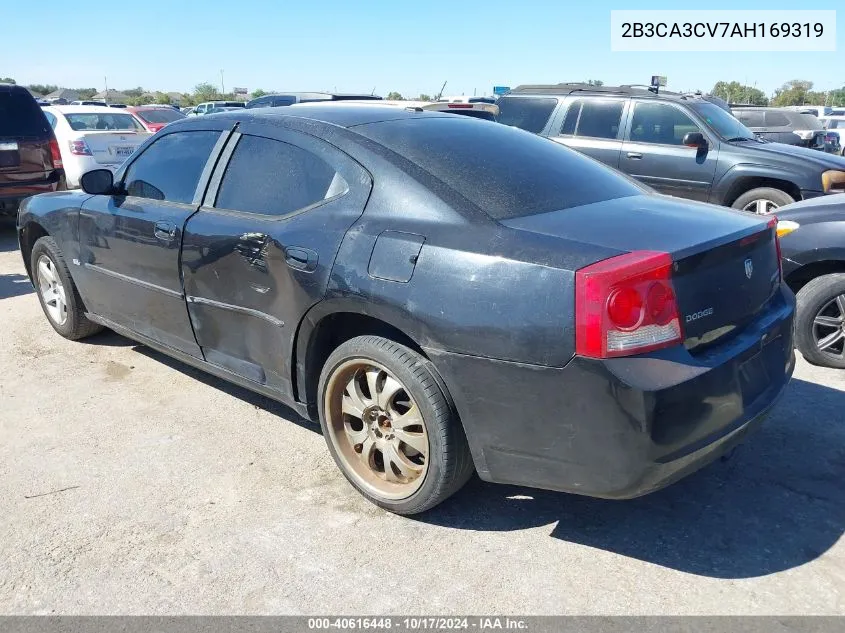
275 178
660 123
593 118
170 168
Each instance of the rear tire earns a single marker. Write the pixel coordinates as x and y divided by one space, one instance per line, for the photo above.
57 293
820 321
390 427
762 200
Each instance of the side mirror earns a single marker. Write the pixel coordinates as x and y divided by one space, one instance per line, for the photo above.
98 182
695 139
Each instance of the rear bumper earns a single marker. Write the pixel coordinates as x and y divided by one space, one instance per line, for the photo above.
12 194
623 427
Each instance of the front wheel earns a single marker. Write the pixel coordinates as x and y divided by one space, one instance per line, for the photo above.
389 426
762 200
820 321
57 293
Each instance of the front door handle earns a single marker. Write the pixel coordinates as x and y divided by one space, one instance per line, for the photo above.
635 155
165 231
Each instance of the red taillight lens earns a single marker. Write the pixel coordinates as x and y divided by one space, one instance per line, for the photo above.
55 154
773 226
626 305
79 148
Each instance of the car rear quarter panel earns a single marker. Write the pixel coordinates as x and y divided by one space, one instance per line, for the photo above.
58 215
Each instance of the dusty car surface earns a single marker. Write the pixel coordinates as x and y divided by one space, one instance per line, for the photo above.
444 294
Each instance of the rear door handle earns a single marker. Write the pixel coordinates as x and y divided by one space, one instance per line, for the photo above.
635 155
301 258
165 231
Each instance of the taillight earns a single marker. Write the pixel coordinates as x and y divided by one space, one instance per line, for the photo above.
55 154
773 226
79 148
626 305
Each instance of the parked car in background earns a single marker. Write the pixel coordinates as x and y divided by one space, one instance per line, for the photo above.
464 99
279 99
219 109
382 275
477 110
813 246
780 125
835 124
118 105
89 103
815 110
203 108
30 161
153 118
93 137
681 145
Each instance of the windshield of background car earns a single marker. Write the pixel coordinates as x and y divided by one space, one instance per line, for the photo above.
506 172
21 116
527 113
88 121
160 116
723 123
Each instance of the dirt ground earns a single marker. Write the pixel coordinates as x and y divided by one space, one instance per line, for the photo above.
130 483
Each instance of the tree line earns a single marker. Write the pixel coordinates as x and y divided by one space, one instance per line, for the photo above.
795 92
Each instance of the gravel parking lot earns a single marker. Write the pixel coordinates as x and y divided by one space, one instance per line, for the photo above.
130 483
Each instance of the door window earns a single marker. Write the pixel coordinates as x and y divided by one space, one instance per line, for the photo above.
170 168
751 118
275 178
660 123
593 118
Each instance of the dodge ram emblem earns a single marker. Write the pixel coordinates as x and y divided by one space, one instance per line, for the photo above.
749 268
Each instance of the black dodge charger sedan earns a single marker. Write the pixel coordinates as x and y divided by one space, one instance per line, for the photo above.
446 295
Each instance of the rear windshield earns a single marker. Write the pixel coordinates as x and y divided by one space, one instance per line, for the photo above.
504 171
96 121
165 115
527 113
21 116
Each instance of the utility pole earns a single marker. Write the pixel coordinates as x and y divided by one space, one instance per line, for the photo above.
442 88
106 81
222 85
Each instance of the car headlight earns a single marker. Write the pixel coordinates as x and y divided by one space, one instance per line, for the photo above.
833 181
785 227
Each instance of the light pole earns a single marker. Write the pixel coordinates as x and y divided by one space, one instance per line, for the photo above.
222 85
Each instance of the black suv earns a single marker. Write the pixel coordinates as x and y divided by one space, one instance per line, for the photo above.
30 161
683 145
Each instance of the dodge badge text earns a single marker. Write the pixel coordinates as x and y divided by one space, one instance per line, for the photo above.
695 316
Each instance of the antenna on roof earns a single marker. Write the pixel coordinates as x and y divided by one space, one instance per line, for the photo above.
442 88
373 92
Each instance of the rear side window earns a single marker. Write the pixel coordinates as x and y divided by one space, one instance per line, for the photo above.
21 116
527 113
505 172
594 118
275 178
170 168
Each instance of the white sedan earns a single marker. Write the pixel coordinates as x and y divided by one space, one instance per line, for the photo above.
93 137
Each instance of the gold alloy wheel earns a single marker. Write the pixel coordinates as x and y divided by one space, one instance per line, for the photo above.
376 428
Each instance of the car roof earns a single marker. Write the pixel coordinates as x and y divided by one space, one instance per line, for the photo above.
431 106
340 114
628 90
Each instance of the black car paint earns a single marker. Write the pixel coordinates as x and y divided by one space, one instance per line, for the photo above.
718 173
818 246
491 305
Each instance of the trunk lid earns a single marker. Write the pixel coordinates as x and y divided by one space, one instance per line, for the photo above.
725 262
112 147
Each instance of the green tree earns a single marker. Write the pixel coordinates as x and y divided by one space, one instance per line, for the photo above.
735 92
258 93
395 96
792 93
162 97
595 82
424 97
133 92
205 92
7 80
43 89
85 93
